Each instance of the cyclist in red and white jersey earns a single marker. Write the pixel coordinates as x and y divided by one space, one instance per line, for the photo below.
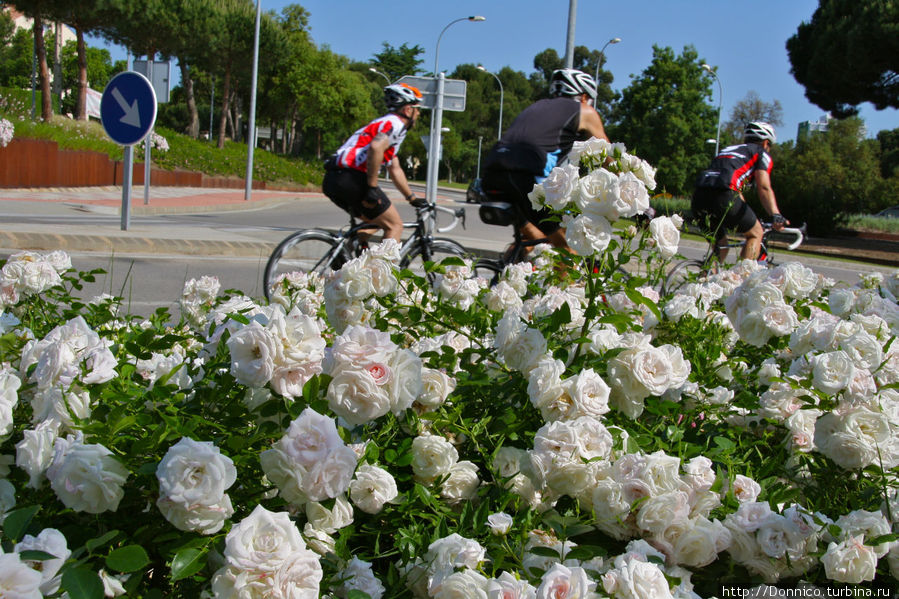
718 202
351 174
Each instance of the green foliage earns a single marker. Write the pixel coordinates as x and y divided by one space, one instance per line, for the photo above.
663 116
830 175
397 62
848 54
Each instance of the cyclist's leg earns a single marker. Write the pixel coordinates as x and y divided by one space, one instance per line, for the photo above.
385 216
743 219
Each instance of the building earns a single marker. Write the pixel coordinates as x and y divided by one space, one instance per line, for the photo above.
23 22
807 128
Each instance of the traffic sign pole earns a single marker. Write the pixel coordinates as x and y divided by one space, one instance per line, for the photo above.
128 165
434 151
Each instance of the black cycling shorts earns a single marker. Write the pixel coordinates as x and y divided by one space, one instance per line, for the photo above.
348 189
716 210
513 187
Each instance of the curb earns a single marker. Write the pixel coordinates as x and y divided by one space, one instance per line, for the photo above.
132 245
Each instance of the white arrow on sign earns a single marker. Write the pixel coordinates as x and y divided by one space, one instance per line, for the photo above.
132 114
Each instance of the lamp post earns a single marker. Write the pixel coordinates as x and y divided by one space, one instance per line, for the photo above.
374 70
602 55
720 98
499 132
437 116
251 128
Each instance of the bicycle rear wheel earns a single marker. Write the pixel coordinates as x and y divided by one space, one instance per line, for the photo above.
439 249
684 272
304 251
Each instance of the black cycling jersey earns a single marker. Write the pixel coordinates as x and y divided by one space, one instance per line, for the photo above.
734 166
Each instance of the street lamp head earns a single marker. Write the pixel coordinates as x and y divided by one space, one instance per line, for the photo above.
481 68
708 68
477 18
614 40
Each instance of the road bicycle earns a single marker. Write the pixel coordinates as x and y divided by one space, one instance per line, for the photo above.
504 214
318 250
691 270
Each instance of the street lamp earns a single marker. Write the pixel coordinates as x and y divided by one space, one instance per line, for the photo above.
473 19
499 132
374 70
602 55
720 98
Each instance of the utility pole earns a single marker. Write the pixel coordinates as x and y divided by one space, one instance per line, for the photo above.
569 41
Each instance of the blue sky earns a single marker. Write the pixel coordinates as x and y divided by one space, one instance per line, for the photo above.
745 41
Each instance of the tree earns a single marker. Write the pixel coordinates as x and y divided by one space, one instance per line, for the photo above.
36 10
583 59
829 176
16 60
664 117
84 16
396 62
99 68
750 108
848 54
889 153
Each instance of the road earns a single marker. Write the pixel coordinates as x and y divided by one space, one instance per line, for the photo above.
148 281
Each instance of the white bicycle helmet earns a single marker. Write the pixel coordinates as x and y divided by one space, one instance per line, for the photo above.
572 82
399 94
759 131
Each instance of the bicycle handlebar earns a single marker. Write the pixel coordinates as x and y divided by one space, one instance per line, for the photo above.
458 216
797 232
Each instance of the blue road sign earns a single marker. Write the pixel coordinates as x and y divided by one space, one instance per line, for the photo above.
128 108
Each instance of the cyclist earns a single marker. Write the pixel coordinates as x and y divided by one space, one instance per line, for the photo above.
539 139
351 174
718 202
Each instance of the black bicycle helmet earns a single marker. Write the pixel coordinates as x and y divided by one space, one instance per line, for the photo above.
572 82
759 131
399 94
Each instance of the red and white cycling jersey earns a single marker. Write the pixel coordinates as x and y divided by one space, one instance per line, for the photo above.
734 166
354 152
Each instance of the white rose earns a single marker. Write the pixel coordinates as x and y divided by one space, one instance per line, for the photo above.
299 575
831 371
86 477
502 296
851 439
206 518
406 383
850 561
9 397
330 520
254 351
634 197
467 584
562 582
17 579
372 488
355 396
262 541
559 185
330 477
751 516
35 451
462 482
454 551
520 346
432 457
507 586
700 545
436 387
796 280
49 541
658 513
195 472
500 523
310 438
586 234
666 235
357 576
637 579
745 489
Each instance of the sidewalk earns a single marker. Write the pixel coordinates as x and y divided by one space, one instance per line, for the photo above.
18 205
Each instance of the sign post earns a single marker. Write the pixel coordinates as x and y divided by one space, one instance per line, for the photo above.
440 94
128 113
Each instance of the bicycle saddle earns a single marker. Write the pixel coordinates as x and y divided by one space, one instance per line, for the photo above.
501 214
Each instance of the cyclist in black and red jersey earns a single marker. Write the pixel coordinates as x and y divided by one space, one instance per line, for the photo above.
718 203
351 174
539 139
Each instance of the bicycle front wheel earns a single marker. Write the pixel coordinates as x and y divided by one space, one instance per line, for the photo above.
304 251
439 249
684 272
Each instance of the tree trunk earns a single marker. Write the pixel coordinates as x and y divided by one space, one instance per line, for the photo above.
43 70
226 99
57 60
193 128
81 100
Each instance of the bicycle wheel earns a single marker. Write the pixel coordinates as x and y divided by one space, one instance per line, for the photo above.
684 272
439 249
304 251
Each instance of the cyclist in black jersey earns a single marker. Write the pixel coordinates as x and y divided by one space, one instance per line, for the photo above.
539 139
718 203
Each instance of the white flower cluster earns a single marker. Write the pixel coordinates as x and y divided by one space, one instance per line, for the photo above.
159 142
265 556
7 130
370 375
198 298
193 477
310 462
34 578
304 291
614 187
28 273
350 292
435 458
86 477
458 286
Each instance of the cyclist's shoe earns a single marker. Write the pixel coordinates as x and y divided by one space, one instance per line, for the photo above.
337 262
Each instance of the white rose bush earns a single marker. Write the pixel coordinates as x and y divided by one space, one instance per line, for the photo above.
569 430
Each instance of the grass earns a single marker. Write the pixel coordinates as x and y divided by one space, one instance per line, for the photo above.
873 224
183 153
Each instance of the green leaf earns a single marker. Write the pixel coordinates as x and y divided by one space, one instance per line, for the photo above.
356 594
545 552
96 542
638 298
888 538
35 555
188 562
17 521
82 583
129 558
